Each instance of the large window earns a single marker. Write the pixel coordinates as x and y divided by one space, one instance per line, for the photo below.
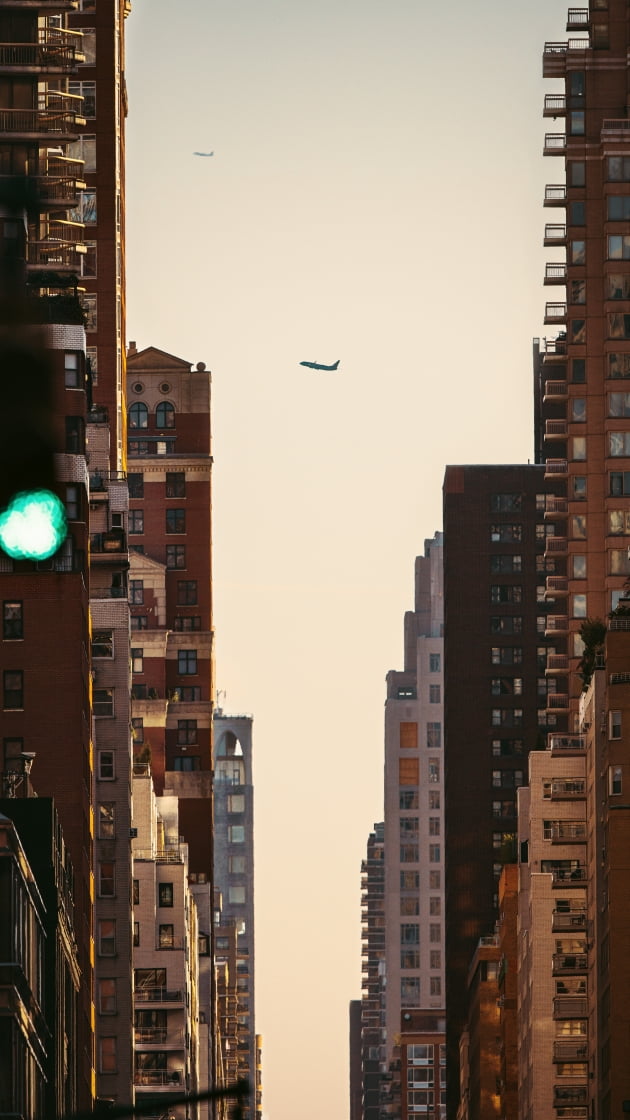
136 521
136 485
165 415
175 556
138 415
176 521
12 620
175 484
187 662
619 247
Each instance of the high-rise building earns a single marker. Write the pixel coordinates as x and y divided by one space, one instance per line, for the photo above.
234 881
496 637
372 1048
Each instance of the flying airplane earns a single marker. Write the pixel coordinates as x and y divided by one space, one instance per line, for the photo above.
203 153
318 365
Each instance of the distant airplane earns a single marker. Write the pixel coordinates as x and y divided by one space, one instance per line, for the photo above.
203 153
318 365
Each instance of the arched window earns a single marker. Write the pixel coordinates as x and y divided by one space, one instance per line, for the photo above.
138 415
165 415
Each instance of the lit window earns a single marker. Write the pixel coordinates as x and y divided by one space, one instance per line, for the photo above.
72 371
106 821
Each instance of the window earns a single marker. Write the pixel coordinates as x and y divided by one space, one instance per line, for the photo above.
507 746
578 564
409 853
618 325
136 485
409 828
434 853
435 882
505 563
410 933
236 803
505 503
434 694
186 592
166 936
410 991
577 251
175 556
175 484
187 622
136 592
138 415
136 521
409 880
434 799
577 291
136 892
186 732
12 620
615 780
506 593
13 689
408 799
136 934
107 879
107 1059
499 533
618 169
165 894
435 986
139 622
434 826
190 694
75 435
107 997
408 736
506 655
576 172
410 958
435 932
106 821
434 770
507 686
434 662
435 906
579 487
103 702
236 833
577 210
236 895
578 526
434 736
507 717
187 662
165 415
137 727
614 725
72 371
106 937
507 779
137 660
435 959
506 624
106 770
187 762
176 521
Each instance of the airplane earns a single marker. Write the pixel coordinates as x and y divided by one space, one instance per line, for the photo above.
203 153
318 365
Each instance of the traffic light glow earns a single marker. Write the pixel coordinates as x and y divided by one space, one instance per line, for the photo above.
33 525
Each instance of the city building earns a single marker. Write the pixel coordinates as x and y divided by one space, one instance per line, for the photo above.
414 821
496 639
372 1050
234 883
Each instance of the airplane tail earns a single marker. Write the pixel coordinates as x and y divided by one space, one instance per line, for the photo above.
336 365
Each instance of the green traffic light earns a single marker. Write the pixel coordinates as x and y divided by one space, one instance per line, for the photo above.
33 525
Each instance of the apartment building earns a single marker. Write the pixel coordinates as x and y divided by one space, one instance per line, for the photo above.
372 1049
496 639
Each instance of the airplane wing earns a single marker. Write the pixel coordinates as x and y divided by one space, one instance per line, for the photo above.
203 153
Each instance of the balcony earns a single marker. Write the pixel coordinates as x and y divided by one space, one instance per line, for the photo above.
555 194
569 1095
578 19
57 256
58 51
570 1050
556 585
563 1113
555 234
555 56
555 347
556 507
555 391
556 468
571 921
569 964
555 546
555 313
557 701
565 832
159 1078
158 995
567 744
557 663
555 145
565 789
59 181
107 543
161 1036
555 105
568 876
555 272
556 429
570 1007
41 124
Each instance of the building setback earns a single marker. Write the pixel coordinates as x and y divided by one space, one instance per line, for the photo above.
495 649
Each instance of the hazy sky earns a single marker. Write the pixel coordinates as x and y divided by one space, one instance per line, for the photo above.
375 195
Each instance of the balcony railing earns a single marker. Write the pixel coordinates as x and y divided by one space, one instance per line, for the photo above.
555 105
159 1078
567 744
555 312
40 122
556 545
556 468
565 789
568 876
569 1094
555 194
555 347
569 964
160 1035
565 832
556 506
556 429
555 145
57 49
555 391
570 921
569 1113
577 17
159 995
557 702
557 662
555 272
555 234
570 1007
556 585
570 1050
162 855
556 624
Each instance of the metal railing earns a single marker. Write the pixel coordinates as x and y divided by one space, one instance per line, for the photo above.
159 995
160 1077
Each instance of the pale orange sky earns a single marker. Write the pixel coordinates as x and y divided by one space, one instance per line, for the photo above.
375 195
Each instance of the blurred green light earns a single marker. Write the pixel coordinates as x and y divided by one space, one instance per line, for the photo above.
33 525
